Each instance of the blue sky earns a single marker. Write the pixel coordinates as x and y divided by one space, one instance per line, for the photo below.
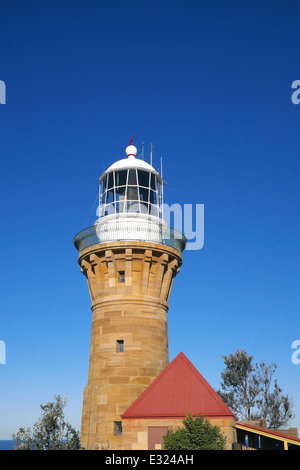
209 84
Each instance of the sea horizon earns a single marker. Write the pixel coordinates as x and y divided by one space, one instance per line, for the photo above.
7 444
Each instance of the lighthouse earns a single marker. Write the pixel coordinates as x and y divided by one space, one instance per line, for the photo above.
130 257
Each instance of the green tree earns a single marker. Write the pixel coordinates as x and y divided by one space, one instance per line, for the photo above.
240 386
249 390
273 406
196 434
50 432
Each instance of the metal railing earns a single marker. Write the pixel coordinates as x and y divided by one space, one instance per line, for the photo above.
116 232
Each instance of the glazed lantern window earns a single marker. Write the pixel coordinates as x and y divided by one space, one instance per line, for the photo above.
130 190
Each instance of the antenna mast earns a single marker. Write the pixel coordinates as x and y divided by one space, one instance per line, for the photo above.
151 154
143 150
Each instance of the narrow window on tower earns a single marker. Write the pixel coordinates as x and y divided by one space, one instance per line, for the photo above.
121 276
117 428
120 345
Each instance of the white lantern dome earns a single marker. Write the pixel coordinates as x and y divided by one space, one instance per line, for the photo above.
130 199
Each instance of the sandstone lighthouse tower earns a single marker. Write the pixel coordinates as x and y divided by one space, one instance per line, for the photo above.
130 258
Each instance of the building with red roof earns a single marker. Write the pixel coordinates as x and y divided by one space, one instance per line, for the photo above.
178 390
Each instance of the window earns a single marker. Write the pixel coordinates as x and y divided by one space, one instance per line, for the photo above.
117 428
132 177
121 177
110 179
130 190
120 345
121 276
153 182
143 178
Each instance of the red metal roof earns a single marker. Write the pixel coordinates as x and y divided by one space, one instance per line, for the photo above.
267 431
178 390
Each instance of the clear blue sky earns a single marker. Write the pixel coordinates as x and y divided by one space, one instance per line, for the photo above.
209 83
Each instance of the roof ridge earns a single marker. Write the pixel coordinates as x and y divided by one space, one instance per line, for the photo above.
149 388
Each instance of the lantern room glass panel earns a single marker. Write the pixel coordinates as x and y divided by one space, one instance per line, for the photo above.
131 190
121 177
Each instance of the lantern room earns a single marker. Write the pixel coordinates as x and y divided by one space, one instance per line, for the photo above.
130 206
130 186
